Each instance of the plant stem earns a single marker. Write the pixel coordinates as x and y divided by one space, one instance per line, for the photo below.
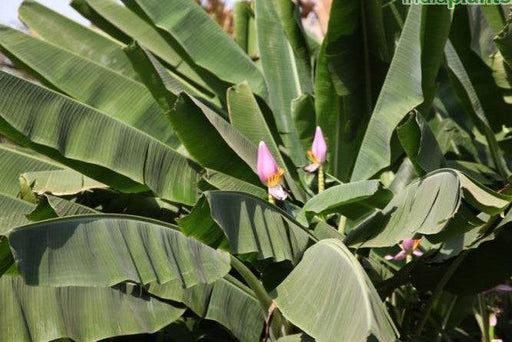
343 224
271 199
321 179
439 289
261 294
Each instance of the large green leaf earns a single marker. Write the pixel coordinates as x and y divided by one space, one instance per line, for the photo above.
226 301
67 34
431 205
250 225
204 41
350 199
245 115
102 250
212 141
409 83
400 93
132 27
34 313
284 77
349 71
330 297
75 135
88 82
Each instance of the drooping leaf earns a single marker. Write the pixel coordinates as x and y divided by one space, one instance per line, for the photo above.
429 206
79 136
82 41
471 102
250 225
12 212
212 141
49 206
15 161
101 250
204 41
90 83
226 301
36 313
228 183
330 297
504 42
146 66
118 20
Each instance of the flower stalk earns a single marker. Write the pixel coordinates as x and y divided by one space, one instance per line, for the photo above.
321 180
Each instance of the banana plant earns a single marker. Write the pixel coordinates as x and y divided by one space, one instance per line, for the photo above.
164 179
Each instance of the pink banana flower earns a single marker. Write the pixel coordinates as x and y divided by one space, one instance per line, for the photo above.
318 152
270 173
409 247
